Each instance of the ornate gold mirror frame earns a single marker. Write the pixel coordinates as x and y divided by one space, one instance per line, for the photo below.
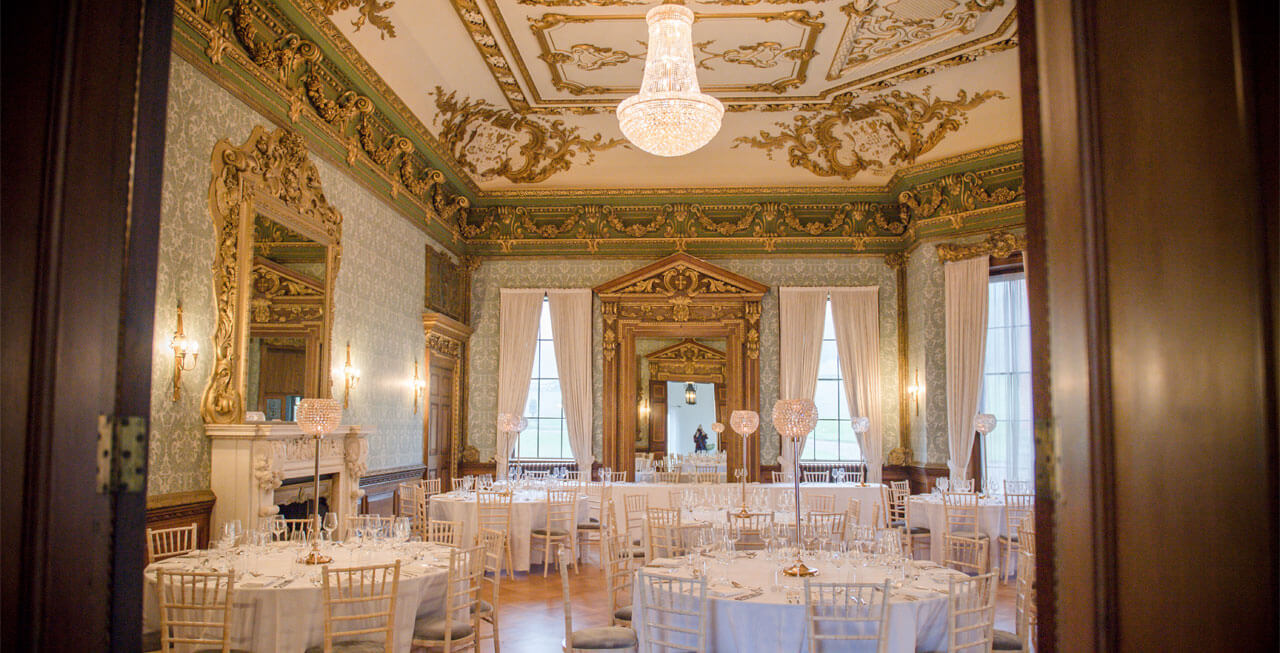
270 175
678 297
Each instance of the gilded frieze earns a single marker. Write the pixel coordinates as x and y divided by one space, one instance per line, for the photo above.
370 11
874 30
1001 244
835 142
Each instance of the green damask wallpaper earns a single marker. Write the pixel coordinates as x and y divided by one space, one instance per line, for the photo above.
494 275
378 295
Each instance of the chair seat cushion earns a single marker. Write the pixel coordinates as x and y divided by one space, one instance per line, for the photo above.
589 526
433 628
637 552
354 646
609 637
150 641
483 607
1005 641
553 532
623 613
1006 538
377 647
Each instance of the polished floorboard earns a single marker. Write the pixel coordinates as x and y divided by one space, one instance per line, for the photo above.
532 617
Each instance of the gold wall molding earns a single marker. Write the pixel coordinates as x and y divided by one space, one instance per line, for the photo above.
909 125
369 11
873 31
687 360
1000 244
271 173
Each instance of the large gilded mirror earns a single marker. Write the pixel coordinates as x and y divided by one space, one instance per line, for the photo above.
279 246
678 324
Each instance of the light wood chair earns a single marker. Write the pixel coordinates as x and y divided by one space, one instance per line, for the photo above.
831 523
494 543
1019 487
422 512
675 613
462 596
965 547
359 601
618 477
493 511
666 477
165 543
706 477
778 477
351 522
819 502
561 528
407 497
603 638
431 486
856 475
456 483
971 614
617 577
634 507
195 609
900 485
443 532
1025 587
751 528
662 530
846 612
854 511
590 532
889 541
897 502
291 526
822 476
537 474
1017 507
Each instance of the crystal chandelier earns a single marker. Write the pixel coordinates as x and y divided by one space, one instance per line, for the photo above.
670 116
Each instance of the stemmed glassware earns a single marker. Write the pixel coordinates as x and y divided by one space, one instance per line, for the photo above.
330 524
278 528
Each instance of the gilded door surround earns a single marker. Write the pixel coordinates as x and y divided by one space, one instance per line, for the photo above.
270 174
688 360
446 338
677 296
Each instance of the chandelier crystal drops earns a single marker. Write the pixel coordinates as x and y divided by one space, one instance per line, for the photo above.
670 116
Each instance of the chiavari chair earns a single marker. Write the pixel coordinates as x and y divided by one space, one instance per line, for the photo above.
537 474
971 614
431 486
846 612
751 528
561 528
1025 587
291 526
1017 507
359 601
820 502
897 502
618 477
493 543
443 532
422 510
675 613
590 531
456 484
617 576
195 609
407 494
493 511
830 523
573 476
857 475
662 529
889 541
821 476
900 485
165 543
601 638
778 477
667 477
366 522
461 596
634 507
854 511
965 547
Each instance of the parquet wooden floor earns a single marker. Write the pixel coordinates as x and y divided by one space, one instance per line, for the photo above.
532 619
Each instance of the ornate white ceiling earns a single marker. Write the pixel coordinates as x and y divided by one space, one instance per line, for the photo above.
820 94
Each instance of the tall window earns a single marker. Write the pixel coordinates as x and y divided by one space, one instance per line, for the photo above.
1006 383
833 439
546 435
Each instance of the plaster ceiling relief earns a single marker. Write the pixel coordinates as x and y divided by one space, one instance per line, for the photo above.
819 94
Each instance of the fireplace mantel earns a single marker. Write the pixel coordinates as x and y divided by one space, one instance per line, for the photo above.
251 460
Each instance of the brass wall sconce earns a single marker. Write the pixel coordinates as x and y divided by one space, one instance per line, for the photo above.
419 386
350 376
914 391
185 353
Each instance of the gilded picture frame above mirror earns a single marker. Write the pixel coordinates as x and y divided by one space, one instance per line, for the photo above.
271 175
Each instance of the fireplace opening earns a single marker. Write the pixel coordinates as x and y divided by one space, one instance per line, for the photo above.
293 498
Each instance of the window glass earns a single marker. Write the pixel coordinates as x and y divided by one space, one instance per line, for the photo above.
546 436
833 438
1006 383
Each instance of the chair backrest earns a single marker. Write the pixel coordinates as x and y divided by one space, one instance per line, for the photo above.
407 494
854 511
366 521
821 476
1018 487
537 473
597 497
617 569
634 507
443 532
889 541
778 477
971 613
431 486
831 523
897 505
360 601
704 475
169 542
422 510
493 510
1017 507
901 485
493 543
195 608
562 510
857 475
667 477
1024 603
751 528
618 477
456 483
675 613
819 502
846 612
961 485
291 526
663 529
462 588
961 512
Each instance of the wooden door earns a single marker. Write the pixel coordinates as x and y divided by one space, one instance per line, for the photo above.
658 418
439 417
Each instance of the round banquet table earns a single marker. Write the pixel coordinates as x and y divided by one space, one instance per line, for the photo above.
278 604
659 495
747 614
927 510
528 511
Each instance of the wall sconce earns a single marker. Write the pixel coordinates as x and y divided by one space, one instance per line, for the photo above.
643 408
419 386
914 391
690 394
350 376
185 353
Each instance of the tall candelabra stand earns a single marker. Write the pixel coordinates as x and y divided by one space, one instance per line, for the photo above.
514 424
794 419
744 423
860 425
317 417
984 423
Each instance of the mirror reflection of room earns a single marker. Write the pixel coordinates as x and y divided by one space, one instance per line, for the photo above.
690 413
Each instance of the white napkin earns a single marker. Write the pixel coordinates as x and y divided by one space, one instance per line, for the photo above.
727 591
664 562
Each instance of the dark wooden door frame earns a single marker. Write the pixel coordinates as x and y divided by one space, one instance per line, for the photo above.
85 85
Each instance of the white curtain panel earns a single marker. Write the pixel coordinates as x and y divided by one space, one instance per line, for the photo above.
966 308
518 314
855 313
571 330
801 312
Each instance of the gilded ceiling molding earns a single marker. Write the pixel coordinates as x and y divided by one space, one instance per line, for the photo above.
493 142
873 31
370 11
1000 244
830 143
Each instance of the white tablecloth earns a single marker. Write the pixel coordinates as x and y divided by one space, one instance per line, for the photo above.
768 623
927 510
659 495
528 511
290 617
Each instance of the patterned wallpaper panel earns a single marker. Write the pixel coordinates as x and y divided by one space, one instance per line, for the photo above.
378 295
847 271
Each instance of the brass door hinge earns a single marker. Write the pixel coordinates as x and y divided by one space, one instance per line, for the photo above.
122 460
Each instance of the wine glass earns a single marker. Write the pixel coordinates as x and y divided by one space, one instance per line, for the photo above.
278 527
732 535
330 524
